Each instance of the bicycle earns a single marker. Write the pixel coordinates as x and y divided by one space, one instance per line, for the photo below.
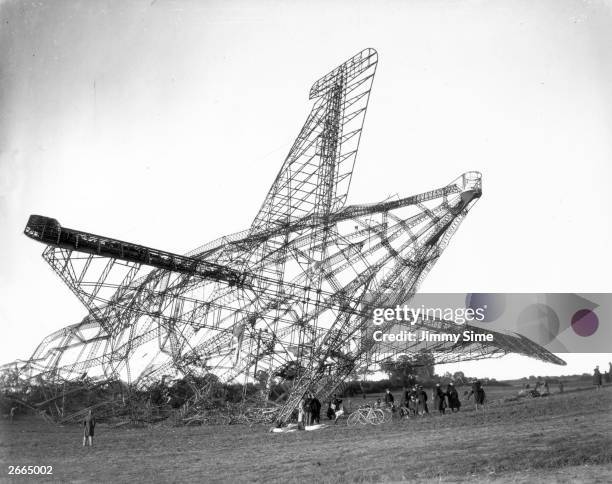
388 411
366 415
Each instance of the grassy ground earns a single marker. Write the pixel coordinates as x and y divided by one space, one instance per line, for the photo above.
563 438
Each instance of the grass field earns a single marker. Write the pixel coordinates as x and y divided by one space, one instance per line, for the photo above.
562 438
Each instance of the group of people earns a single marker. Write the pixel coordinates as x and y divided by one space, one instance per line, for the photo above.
541 389
309 410
414 399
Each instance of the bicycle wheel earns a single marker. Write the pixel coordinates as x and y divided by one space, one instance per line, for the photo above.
363 417
353 419
377 416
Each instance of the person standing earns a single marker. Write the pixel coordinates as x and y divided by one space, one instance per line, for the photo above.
423 398
331 410
308 410
440 399
413 401
405 397
12 414
479 394
315 406
597 378
453 397
301 413
89 424
389 398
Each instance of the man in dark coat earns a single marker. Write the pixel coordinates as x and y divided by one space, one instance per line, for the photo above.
89 424
407 392
422 396
315 408
453 397
440 399
389 398
307 409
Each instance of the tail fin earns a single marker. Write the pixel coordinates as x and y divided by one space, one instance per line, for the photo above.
316 175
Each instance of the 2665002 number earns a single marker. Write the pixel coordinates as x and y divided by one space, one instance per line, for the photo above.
35 470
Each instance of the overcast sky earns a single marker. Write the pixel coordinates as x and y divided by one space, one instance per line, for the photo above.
165 122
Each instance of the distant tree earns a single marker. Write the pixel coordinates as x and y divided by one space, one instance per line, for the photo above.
388 367
11 383
401 371
425 365
459 376
407 369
